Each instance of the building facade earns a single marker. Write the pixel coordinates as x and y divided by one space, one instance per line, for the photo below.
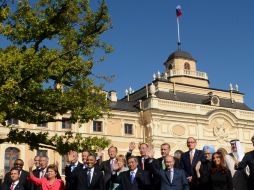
177 104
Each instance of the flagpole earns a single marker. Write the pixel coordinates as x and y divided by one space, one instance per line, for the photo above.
178 34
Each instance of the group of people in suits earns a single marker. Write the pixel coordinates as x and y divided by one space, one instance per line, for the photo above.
44 177
194 169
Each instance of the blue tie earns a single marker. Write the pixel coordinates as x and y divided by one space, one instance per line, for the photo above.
132 177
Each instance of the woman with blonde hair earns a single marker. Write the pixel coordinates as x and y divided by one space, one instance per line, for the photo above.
119 166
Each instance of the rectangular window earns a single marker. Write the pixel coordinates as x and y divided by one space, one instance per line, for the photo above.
12 121
97 126
42 125
128 128
42 153
66 124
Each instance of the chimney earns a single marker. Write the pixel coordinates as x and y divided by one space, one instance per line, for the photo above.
112 96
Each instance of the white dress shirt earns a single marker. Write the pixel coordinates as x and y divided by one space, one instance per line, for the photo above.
14 184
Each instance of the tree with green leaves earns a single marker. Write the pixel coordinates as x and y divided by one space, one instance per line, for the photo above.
45 68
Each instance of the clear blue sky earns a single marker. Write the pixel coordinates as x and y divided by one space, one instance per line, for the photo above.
218 34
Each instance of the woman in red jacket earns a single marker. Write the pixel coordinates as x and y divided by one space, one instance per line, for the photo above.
51 182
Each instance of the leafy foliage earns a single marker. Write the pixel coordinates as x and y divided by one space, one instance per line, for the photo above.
46 70
62 144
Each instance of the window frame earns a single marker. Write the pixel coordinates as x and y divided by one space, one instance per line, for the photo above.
126 129
12 121
95 127
187 66
66 122
42 125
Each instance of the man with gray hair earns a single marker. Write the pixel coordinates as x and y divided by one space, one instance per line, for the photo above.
248 160
41 171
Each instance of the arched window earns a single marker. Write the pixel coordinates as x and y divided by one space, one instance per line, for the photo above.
170 67
11 154
186 66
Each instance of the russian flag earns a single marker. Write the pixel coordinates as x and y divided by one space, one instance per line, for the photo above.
178 10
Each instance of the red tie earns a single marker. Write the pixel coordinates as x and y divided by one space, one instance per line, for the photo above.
143 163
12 186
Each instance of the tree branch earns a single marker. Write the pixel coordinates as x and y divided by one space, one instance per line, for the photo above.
3 4
4 140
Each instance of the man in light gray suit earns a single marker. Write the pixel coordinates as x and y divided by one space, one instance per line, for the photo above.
171 178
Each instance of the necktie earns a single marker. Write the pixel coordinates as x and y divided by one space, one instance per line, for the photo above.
171 175
42 173
191 157
12 186
72 167
111 164
143 163
89 177
132 177
163 164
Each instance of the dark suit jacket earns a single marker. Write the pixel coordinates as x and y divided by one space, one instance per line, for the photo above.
36 173
187 166
5 186
179 181
81 180
23 180
148 169
106 168
222 181
248 160
157 179
70 185
141 180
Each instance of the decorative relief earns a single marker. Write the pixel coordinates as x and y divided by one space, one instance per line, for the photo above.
222 129
178 130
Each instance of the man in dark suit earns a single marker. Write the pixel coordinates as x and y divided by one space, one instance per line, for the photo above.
143 162
134 178
89 178
165 150
106 166
171 178
189 161
248 160
15 181
23 181
36 172
40 171
72 165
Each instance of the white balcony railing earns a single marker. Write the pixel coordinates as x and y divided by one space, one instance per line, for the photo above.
196 74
